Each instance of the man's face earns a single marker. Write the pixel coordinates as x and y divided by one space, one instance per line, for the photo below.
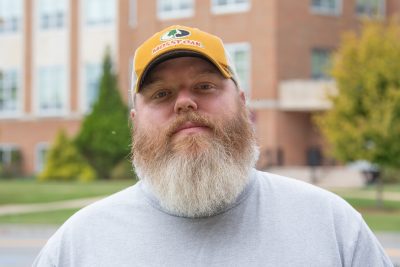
193 143
178 86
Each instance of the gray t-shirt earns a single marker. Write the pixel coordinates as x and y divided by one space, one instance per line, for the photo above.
276 221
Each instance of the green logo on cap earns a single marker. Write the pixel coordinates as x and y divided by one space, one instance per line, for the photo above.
174 34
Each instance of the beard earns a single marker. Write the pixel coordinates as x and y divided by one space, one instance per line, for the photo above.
198 174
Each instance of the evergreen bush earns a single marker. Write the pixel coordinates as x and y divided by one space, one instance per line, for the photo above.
104 138
65 163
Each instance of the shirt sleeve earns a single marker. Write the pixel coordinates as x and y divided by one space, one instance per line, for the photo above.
368 251
44 259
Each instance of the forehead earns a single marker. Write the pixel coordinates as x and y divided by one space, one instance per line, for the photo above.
192 65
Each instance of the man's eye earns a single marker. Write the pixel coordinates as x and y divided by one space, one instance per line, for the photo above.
161 94
205 86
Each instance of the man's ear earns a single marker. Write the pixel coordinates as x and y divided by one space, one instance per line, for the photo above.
133 112
242 97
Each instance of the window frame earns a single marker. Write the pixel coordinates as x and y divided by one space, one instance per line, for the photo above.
6 147
86 106
133 14
382 11
16 18
54 22
51 112
103 20
11 113
232 48
322 75
175 13
39 160
230 7
325 10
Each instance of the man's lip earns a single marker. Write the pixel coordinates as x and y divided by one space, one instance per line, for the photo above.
189 125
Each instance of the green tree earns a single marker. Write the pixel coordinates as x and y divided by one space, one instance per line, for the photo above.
65 163
364 122
104 137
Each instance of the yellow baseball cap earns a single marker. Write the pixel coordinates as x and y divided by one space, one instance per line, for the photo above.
178 41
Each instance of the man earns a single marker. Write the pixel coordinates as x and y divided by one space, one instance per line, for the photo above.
199 202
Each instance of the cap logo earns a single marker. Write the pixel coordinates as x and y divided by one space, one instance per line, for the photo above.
174 34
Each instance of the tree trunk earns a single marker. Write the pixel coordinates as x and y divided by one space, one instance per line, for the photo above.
379 192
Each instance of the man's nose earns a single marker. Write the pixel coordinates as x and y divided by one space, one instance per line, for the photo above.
185 101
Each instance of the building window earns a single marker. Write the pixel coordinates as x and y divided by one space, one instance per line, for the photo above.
320 64
9 92
51 90
174 9
52 14
100 12
40 156
328 7
10 160
240 55
230 6
93 75
10 16
370 8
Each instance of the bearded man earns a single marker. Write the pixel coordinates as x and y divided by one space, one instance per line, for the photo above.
199 202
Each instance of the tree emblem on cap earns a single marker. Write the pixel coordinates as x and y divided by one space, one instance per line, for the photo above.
174 34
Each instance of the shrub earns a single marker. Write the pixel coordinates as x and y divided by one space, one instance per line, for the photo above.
123 170
104 138
65 163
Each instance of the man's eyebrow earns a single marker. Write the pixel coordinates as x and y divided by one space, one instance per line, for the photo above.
209 71
151 81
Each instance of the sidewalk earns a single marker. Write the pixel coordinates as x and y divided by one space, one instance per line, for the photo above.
40 207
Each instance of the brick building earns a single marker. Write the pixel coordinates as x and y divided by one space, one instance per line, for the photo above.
51 53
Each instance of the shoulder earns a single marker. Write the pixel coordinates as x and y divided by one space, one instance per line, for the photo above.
88 222
305 197
100 213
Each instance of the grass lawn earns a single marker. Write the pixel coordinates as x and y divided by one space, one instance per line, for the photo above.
382 221
31 191
50 217
386 188
385 219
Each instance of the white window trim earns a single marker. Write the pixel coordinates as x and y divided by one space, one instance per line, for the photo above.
8 147
18 111
84 96
35 67
242 46
380 16
230 8
82 59
318 11
66 18
133 14
39 147
175 14
83 17
324 76
63 112
21 18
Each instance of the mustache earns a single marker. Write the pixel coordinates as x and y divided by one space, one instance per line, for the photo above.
192 117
